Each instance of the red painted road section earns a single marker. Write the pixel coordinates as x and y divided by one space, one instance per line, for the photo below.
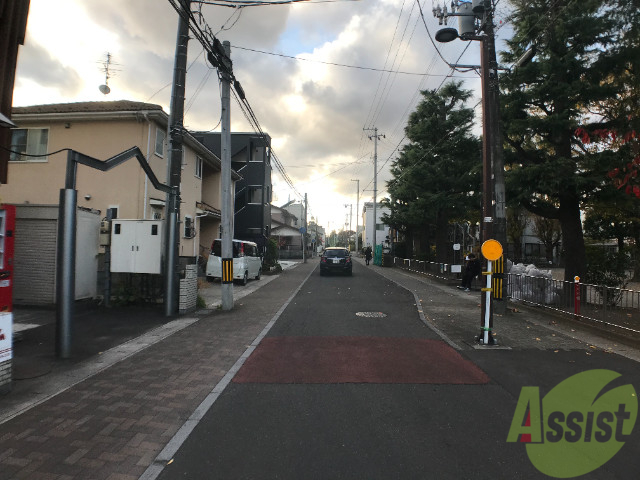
357 360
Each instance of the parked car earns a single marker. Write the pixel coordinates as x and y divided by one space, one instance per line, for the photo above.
246 261
336 259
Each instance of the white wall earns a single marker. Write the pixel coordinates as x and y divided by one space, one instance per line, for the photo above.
367 214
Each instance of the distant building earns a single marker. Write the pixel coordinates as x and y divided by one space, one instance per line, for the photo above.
316 236
286 232
381 230
297 209
251 158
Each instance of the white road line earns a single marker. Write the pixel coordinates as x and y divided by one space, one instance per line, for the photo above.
171 448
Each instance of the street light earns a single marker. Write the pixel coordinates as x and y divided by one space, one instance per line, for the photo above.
445 35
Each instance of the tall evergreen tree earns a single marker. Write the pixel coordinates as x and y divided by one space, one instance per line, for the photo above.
616 216
550 170
620 114
437 175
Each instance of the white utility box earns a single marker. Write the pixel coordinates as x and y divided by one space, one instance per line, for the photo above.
136 246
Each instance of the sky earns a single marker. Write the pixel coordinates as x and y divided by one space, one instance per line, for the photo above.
319 115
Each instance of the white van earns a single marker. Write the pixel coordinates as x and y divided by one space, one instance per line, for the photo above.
246 261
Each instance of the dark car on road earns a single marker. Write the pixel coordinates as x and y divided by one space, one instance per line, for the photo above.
335 259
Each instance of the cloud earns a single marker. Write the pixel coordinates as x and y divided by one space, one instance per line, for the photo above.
38 66
142 26
314 112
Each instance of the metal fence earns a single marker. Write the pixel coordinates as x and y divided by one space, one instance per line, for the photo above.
442 271
614 309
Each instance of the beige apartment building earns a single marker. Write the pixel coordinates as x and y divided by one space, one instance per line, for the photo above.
37 168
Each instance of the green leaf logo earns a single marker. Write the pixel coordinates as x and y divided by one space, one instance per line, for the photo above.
583 426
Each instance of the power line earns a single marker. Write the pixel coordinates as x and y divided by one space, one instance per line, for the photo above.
392 78
246 3
350 164
375 95
258 3
219 60
429 34
334 64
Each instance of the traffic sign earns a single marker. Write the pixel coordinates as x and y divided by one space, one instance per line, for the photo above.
491 250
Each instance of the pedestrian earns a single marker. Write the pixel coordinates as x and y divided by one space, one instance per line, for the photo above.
472 270
368 254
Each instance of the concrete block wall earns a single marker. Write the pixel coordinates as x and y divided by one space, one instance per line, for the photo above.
5 376
189 289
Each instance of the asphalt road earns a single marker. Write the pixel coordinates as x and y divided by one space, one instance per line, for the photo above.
350 383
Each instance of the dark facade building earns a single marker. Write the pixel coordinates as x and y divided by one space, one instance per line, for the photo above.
251 158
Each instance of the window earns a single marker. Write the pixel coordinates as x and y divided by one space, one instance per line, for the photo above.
256 154
216 248
189 230
29 141
255 194
113 211
380 226
198 167
533 249
160 137
337 253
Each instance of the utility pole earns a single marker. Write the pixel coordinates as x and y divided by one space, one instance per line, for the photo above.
487 146
174 164
375 137
304 232
357 209
350 205
500 216
227 192
492 159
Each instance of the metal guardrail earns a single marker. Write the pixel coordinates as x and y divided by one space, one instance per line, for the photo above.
615 309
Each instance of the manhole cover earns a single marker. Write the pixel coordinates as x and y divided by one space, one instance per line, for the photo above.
371 314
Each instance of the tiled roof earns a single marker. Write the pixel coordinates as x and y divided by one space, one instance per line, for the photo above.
88 107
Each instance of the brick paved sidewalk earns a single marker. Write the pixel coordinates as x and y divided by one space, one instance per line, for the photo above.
113 425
